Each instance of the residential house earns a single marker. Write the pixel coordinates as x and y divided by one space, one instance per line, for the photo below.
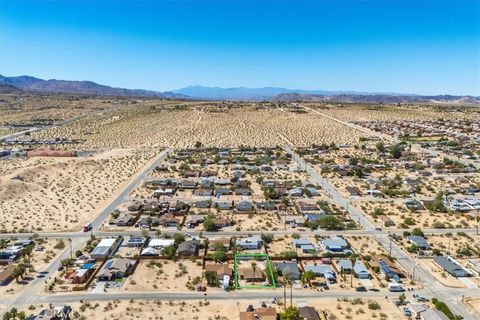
222 223
288 269
6 275
336 244
224 205
202 204
296 192
135 242
451 266
194 220
419 241
345 265
124 220
353 191
387 267
295 221
259 314
147 222
168 220
244 207
188 248
243 192
224 241
250 243
223 192
251 274
221 269
308 313
322 270
104 249
360 271
116 269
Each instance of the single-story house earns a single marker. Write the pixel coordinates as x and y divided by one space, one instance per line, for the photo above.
188 248
244 206
295 220
104 249
6 275
221 270
451 266
308 313
288 269
360 271
345 265
419 241
250 243
116 269
336 244
259 314
321 270
135 242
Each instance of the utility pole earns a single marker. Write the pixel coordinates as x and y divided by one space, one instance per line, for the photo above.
70 243
390 251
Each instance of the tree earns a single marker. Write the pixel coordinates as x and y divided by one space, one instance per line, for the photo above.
254 268
198 144
267 238
19 271
13 314
209 224
417 232
291 313
308 276
179 238
219 256
212 278
158 233
169 252
330 223
27 252
402 297
396 151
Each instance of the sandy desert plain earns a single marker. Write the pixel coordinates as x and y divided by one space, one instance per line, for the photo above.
123 134
119 137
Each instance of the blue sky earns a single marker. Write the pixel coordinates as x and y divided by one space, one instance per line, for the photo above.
426 47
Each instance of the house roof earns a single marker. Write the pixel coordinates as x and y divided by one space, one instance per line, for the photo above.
359 268
308 313
259 314
345 264
335 242
319 268
449 265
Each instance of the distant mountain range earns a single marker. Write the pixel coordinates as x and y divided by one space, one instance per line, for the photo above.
283 94
32 84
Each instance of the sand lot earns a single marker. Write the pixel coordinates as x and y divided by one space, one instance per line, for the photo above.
182 127
40 194
164 275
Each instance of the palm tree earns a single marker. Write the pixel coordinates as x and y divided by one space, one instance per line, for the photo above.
288 278
254 268
353 259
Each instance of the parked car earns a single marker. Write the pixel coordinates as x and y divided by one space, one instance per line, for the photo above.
360 289
407 312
